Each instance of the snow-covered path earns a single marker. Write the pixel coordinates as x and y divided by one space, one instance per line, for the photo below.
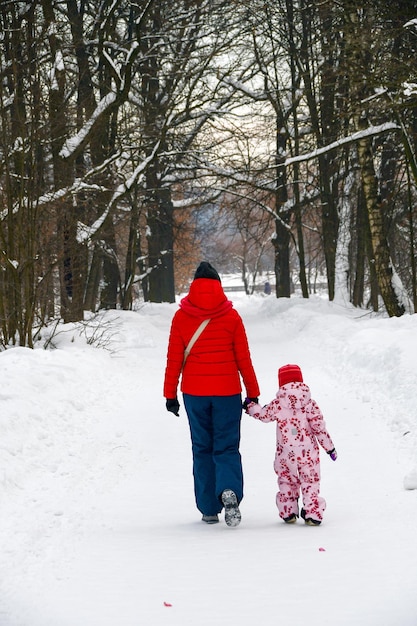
98 525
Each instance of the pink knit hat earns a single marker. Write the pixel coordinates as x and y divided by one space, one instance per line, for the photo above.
289 374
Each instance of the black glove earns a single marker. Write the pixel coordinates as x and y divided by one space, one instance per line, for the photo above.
248 401
173 405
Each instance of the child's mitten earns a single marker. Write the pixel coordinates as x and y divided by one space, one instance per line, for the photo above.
332 454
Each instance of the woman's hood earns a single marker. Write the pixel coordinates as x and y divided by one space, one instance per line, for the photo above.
206 298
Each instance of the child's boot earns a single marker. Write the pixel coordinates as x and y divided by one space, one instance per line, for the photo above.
309 520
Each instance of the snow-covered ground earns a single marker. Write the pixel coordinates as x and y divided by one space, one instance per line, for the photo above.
97 519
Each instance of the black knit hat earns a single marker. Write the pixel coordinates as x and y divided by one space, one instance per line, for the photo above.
206 270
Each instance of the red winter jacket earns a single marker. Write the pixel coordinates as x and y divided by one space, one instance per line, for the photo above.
219 354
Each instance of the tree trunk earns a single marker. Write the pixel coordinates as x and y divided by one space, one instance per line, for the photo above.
381 256
412 244
342 265
295 80
21 177
70 264
111 274
131 256
324 123
161 284
157 203
282 258
282 229
357 54
93 280
361 228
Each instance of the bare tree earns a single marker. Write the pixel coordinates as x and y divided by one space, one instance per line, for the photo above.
358 55
22 173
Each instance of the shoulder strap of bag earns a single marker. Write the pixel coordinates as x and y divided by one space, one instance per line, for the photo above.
194 339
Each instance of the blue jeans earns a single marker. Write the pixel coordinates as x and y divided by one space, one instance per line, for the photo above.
215 436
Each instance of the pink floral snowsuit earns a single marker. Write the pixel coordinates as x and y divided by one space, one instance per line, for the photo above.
300 427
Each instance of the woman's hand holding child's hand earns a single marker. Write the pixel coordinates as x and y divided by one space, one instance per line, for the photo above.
248 401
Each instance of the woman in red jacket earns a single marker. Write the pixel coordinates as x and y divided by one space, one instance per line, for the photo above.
211 390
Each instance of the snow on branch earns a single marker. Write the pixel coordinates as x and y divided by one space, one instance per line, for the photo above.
258 95
116 72
410 89
123 78
361 134
184 203
85 232
77 186
71 144
53 196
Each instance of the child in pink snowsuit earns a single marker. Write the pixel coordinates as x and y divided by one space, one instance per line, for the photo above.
300 428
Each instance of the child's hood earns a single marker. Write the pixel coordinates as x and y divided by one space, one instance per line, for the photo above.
294 396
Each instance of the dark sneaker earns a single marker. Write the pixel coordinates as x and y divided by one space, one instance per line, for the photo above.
291 519
232 515
309 520
210 519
